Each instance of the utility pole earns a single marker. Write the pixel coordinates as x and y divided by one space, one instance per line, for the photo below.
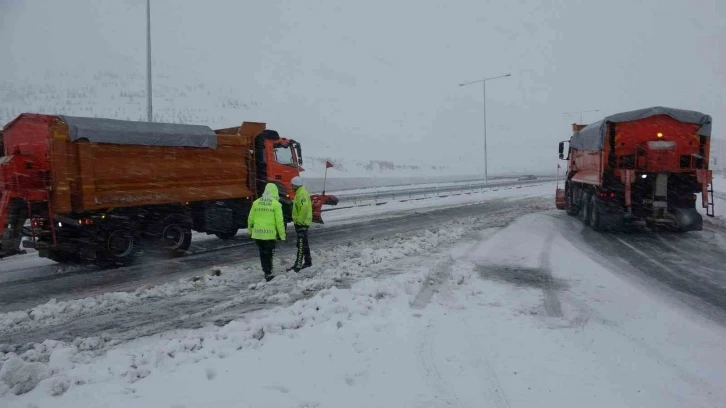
484 90
149 112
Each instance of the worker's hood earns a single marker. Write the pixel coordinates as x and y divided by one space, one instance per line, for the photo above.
271 191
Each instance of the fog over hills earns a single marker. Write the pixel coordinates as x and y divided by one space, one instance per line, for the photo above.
371 85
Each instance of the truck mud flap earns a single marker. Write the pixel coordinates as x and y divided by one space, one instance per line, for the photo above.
688 219
13 214
612 221
218 218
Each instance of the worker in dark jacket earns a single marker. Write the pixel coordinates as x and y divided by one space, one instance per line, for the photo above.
266 225
302 218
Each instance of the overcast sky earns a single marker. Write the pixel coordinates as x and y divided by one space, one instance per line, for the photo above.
378 79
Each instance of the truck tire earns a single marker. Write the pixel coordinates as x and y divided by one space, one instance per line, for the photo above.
585 208
595 214
571 209
119 246
176 237
226 236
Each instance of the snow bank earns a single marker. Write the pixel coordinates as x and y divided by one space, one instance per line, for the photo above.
389 208
417 186
71 365
20 377
54 312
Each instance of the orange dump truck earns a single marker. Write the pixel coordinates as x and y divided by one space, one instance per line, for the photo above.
99 190
640 168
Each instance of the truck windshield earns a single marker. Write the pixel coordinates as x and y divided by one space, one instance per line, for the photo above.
284 155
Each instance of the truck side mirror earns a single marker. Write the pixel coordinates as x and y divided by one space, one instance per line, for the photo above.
562 150
295 145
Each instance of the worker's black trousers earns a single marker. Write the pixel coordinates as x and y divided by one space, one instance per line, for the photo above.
267 252
303 248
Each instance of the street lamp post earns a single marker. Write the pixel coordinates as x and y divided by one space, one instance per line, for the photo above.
581 112
150 116
484 91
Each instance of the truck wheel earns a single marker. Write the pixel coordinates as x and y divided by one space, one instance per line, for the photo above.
571 209
226 236
119 247
585 209
176 238
595 216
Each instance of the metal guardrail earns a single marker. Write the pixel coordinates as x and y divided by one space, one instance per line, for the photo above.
415 194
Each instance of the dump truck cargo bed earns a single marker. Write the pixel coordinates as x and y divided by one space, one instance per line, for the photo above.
92 168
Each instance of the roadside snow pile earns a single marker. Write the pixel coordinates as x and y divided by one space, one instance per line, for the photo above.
70 365
54 312
405 204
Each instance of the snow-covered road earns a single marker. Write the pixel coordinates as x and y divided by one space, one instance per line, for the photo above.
490 310
162 303
27 280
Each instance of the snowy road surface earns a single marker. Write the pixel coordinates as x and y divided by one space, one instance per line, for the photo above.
504 303
482 311
100 313
27 280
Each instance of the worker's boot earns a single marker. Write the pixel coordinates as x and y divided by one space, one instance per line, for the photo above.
269 277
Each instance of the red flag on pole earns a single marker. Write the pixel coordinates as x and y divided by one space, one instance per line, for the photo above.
328 165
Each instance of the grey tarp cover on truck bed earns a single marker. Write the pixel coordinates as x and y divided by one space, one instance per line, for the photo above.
99 130
592 137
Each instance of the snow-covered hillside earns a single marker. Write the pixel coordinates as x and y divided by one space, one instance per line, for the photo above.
123 96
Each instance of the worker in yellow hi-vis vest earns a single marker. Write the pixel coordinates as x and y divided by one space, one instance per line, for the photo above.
266 225
302 218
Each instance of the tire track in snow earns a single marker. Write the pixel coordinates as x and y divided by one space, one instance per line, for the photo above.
688 277
489 376
442 270
490 385
552 304
667 360
427 358
439 274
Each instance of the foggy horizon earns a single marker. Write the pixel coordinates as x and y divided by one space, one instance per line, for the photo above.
320 74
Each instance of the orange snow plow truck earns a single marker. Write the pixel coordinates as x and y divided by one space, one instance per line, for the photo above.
99 190
639 168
